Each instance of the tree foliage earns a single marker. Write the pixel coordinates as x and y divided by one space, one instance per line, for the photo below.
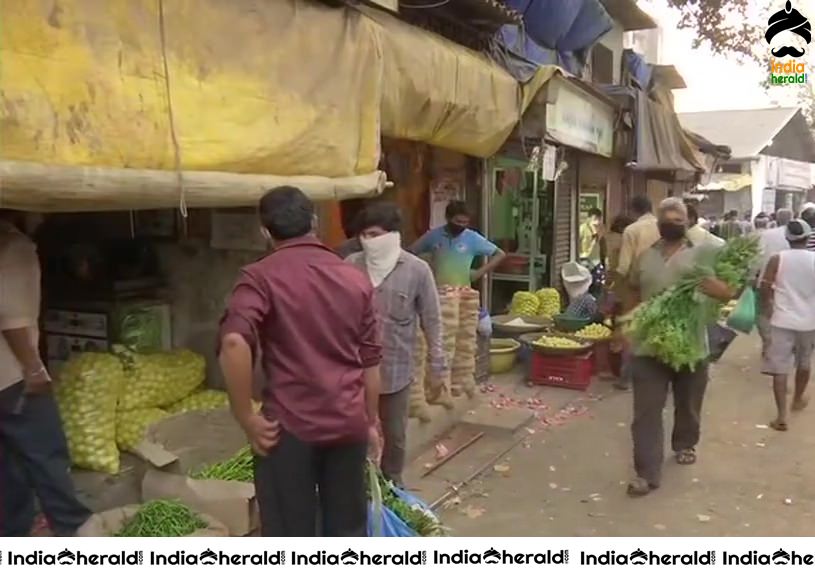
721 25
725 27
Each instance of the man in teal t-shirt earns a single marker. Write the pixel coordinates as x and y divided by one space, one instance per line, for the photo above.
454 247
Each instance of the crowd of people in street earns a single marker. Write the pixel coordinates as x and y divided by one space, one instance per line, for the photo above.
646 253
335 332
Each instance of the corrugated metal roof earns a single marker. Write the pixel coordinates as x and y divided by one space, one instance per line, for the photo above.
746 132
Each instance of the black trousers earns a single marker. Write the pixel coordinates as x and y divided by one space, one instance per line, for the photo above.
34 461
298 479
651 381
393 413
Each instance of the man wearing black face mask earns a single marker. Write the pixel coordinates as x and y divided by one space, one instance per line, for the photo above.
454 247
658 268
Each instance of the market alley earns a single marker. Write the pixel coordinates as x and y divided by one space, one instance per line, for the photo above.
570 481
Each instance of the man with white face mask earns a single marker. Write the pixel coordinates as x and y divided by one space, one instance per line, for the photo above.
405 294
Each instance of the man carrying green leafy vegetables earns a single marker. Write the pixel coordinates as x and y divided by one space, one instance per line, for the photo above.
668 262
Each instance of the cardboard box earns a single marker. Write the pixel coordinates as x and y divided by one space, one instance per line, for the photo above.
177 446
109 522
231 503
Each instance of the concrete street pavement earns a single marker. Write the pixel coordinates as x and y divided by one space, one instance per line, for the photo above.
570 480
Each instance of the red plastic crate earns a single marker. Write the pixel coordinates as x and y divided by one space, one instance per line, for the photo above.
572 372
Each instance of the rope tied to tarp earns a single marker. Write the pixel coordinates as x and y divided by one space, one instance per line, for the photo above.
182 202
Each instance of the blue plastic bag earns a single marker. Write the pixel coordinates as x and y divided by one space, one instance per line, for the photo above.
410 499
382 521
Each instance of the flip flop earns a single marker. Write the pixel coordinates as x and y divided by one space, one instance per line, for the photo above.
778 426
800 404
686 457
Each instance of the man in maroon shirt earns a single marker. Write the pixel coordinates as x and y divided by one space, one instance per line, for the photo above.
311 318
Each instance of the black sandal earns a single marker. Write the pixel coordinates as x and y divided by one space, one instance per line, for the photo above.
686 457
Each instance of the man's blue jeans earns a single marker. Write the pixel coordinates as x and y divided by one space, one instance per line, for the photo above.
34 462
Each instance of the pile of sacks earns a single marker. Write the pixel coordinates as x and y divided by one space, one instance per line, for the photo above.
108 400
459 314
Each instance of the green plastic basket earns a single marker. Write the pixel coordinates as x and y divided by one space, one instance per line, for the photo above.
570 323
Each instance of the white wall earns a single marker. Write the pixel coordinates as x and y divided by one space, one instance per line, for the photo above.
770 174
613 40
647 43
758 174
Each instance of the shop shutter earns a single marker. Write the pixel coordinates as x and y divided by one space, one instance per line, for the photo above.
564 222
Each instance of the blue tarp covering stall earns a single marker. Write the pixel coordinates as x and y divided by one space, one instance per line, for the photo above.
640 70
563 25
555 32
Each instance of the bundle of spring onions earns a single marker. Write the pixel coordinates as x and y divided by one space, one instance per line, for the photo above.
238 468
162 518
672 326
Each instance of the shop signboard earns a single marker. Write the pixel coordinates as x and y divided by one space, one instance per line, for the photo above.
579 120
791 174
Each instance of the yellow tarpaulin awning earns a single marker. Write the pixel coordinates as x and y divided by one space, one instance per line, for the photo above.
287 87
727 182
439 92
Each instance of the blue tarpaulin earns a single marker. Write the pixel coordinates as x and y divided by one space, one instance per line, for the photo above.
522 56
639 68
563 25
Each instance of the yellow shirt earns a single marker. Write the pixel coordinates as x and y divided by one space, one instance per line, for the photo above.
589 243
637 238
19 296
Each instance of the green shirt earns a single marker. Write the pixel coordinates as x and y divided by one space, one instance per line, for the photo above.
652 272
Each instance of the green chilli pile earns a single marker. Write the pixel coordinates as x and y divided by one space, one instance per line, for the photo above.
239 468
672 326
162 518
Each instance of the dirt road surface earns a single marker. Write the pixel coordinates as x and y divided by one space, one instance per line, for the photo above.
570 480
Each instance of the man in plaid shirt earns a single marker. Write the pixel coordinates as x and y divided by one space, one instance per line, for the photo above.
406 297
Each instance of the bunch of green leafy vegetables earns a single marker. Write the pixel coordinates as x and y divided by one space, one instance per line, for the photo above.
672 326
422 522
